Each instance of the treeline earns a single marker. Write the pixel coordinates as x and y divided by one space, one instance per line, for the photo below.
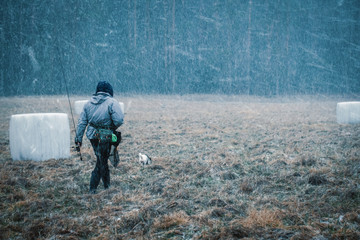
181 46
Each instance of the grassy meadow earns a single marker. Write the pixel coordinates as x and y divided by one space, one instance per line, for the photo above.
224 167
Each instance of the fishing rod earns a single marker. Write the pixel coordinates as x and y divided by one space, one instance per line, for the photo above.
68 97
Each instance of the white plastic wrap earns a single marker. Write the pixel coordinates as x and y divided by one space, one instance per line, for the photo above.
39 136
348 112
79 106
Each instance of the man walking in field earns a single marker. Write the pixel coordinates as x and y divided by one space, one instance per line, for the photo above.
103 114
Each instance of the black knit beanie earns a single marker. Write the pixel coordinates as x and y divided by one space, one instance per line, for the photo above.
104 86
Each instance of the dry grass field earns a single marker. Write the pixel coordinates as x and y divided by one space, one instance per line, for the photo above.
224 167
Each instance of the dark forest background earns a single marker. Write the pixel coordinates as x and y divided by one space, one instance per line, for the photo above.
274 47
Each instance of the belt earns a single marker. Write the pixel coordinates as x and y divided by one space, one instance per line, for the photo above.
100 127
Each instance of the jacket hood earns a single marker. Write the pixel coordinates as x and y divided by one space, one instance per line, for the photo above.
99 98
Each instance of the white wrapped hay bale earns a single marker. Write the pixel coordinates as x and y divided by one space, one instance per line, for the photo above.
79 106
39 136
122 106
348 112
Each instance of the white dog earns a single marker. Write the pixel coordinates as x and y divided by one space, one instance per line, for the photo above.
144 159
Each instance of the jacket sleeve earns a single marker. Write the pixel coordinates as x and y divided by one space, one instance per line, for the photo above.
81 126
117 116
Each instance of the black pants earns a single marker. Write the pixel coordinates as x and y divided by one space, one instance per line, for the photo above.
101 171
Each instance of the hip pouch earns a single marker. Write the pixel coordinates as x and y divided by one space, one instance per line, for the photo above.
103 135
116 138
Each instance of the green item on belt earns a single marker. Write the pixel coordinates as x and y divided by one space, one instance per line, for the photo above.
114 138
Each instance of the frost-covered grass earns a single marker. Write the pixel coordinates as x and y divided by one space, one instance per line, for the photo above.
224 167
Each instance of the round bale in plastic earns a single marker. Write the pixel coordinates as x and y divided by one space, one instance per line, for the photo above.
79 106
39 136
348 112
